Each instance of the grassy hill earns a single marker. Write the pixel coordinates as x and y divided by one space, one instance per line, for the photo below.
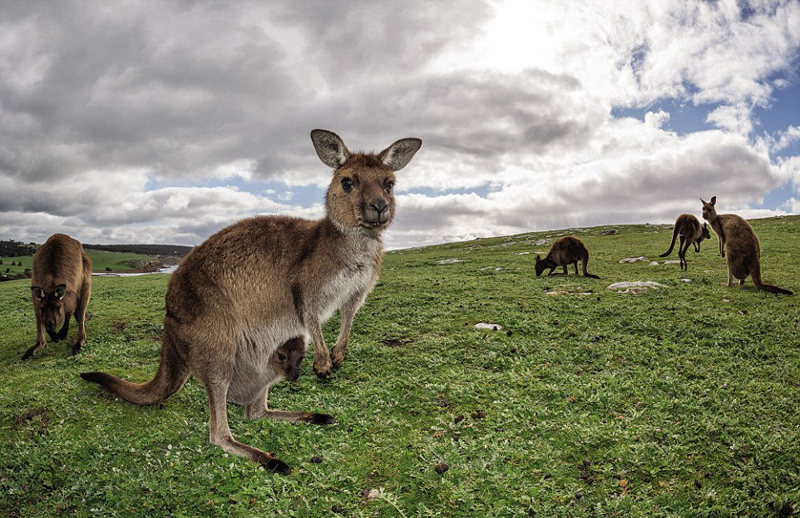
679 401
102 260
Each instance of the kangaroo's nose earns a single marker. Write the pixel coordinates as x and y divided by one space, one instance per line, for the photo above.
50 324
379 205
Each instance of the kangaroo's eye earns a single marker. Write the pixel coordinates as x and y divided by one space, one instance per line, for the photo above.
281 357
347 184
388 186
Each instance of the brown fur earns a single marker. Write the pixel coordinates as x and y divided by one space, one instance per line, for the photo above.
61 284
691 232
565 251
268 280
739 242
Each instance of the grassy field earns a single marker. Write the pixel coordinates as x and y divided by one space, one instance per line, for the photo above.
684 401
101 261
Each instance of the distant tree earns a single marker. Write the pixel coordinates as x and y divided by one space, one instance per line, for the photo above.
8 270
108 268
27 272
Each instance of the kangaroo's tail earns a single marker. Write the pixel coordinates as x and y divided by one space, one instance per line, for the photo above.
671 245
585 264
755 272
172 374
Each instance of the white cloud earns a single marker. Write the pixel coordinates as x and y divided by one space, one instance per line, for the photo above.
98 104
657 119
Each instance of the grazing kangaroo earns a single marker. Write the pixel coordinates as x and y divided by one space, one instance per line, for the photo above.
691 232
565 251
267 280
737 239
61 284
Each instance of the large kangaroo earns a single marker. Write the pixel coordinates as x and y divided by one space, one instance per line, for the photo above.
61 284
565 251
737 239
267 280
691 232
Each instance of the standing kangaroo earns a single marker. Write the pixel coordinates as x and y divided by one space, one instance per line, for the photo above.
267 280
565 251
61 284
691 232
737 239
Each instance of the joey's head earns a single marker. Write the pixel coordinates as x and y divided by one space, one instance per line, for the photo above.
361 194
49 305
287 358
709 212
706 233
539 265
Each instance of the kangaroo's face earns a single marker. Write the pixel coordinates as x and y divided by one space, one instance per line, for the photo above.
361 194
706 233
539 266
709 212
50 306
287 359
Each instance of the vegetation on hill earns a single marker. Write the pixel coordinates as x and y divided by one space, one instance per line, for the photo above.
681 400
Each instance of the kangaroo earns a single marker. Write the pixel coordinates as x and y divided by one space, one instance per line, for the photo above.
691 232
264 281
737 239
565 251
61 284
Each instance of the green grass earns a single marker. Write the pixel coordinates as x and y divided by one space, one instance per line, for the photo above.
101 261
678 402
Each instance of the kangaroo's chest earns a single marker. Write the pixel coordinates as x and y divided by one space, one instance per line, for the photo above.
355 278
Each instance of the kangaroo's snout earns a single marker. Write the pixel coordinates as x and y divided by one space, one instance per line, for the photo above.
376 211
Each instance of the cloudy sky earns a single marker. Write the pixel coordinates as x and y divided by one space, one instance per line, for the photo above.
162 122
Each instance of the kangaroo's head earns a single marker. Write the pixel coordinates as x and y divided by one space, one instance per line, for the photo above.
540 265
361 194
50 306
706 233
287 358
709 212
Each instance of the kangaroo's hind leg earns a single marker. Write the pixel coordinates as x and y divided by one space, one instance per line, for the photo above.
259 408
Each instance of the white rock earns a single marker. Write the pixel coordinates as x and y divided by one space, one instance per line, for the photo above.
450 261
540 242
635 287
634 259
489 326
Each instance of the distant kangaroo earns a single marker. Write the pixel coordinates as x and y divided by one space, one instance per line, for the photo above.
267 280
691 232
565 251
61 284
737 239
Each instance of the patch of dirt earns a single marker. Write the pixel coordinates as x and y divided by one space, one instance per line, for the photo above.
38 418
394 342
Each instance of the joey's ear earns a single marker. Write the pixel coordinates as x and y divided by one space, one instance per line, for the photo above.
538 258
329 147
61 289
38 293
713 200
705 226
397 156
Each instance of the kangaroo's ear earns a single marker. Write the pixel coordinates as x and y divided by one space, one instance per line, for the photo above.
330 148
38 293
705 226
61 289
702 201
713 200
538 258
397 156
